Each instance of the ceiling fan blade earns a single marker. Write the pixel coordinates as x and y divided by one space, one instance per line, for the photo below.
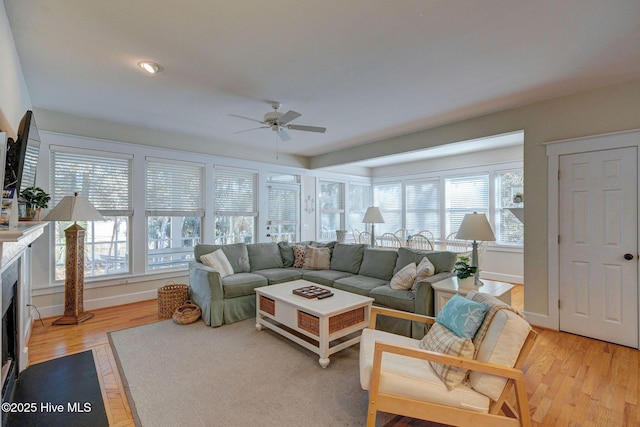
307 128
246 118
288 116
284 136
247 130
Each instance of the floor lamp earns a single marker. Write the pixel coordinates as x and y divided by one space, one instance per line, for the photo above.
373 216
74 208
475 227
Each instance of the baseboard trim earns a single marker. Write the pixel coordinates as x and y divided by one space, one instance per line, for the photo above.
509 278
94 304
542 320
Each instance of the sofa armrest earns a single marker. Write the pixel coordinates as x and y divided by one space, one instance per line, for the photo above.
424 293
205 281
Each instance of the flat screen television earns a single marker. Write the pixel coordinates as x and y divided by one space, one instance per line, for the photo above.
22 155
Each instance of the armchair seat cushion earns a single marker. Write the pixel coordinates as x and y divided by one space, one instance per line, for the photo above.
242 284
413 378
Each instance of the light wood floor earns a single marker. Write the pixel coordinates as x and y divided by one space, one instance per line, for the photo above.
571 380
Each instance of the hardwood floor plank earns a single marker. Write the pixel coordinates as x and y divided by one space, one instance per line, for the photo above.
570 380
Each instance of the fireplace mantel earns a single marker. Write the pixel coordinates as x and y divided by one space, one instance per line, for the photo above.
16 239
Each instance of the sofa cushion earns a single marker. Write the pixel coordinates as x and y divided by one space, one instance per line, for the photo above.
398 299
298 253
359 284
279 275
442 340
218 261
378 263
264 255
286 252
324 277
441 260
241 284
405 278
424 270
317 258
347 258
236 254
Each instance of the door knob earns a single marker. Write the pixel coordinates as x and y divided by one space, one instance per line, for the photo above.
628 257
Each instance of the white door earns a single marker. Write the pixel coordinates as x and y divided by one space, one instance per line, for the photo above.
598 229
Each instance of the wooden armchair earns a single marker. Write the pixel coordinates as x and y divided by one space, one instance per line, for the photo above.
400 379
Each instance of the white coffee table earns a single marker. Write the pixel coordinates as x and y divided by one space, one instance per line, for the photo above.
322 320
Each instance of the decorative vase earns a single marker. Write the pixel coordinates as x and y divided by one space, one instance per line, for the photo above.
341 235
466 283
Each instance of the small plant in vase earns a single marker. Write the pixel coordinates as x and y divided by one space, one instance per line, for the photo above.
464 272
35 199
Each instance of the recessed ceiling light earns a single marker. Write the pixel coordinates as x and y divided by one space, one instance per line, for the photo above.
150 67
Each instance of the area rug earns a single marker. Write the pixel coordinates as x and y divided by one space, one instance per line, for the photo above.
234 375
59 392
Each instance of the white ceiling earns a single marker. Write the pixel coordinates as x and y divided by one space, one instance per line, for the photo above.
364 69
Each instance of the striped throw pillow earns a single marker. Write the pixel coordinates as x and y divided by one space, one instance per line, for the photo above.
317 258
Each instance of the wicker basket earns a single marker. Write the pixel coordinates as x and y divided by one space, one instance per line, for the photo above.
187 313
171 297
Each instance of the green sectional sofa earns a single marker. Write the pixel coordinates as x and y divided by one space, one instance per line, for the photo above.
353 268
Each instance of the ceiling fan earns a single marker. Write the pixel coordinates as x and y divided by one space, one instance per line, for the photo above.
278 122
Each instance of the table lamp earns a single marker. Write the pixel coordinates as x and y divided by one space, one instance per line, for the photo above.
373 216
475 227
74 208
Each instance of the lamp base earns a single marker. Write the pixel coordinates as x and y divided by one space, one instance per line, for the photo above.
72 319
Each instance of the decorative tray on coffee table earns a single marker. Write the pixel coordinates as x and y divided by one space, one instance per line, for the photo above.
311 291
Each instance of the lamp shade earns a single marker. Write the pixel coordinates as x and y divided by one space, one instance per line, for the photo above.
475 227
373 216
74 208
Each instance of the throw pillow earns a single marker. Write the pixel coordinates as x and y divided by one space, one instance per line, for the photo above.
425 269
404 278
317 258
298 253
462 316
219 262
442 340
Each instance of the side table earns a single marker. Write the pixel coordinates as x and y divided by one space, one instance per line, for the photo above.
445 289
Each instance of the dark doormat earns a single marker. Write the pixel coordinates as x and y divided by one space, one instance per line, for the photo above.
59 392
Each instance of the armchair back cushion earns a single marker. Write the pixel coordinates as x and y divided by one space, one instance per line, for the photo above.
263 256
236 254
499 340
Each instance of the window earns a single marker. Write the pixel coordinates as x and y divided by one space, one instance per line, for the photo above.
174 211
423 206
284 212
359 201
388 197
509 230
331 209
463 195
235 193
105 179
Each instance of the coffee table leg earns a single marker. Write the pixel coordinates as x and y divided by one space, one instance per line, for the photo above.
324 362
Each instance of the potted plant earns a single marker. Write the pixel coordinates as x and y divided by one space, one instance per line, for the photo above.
35 199
464 272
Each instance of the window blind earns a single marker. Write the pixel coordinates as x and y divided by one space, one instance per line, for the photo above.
105 179
423 205
174 189
359 201
235 192
463 195
284 204
388 197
